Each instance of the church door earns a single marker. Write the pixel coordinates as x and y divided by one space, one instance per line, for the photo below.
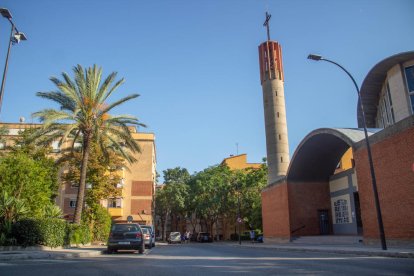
323 222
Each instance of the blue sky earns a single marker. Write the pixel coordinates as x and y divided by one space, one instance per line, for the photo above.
195 64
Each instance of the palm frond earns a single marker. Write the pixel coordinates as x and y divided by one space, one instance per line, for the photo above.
104 87
116 85
121 101
60 98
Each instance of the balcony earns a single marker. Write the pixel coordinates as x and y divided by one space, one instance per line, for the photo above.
116 212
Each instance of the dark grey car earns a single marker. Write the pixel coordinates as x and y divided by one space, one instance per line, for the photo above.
126 236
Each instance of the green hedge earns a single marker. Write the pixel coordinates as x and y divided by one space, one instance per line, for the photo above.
99 221
78 234
51 232
48 231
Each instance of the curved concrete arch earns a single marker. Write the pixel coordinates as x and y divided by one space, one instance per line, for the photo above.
317 156
372 84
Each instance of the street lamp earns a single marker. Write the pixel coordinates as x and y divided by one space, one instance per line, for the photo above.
15 38
371 164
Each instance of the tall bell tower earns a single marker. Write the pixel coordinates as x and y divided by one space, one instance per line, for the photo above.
271 77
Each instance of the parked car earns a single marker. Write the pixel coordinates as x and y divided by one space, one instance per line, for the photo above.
146 233
151 229
204 237
174 237
126 236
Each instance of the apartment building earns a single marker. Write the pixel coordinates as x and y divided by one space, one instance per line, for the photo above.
137 179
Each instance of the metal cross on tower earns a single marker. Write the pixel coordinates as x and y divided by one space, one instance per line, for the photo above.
266 23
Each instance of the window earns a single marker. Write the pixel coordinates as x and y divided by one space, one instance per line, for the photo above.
385 111
72 203
389 103
121 183
55 146
409 76
74 184
341 211
115 203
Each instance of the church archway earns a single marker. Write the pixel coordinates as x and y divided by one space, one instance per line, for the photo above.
322 185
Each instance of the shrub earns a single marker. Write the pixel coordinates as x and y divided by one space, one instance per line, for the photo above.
99 221
53 231
27 232
48 232
78 234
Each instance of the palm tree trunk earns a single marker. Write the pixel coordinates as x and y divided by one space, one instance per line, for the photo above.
82 181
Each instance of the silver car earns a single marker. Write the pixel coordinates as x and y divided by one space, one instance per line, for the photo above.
175 237
146 233
152 234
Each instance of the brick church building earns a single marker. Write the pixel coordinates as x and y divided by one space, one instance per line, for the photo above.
327 189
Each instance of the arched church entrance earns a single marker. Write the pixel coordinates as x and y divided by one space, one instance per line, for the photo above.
322 184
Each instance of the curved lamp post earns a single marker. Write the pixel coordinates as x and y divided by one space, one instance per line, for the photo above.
15 37
371 164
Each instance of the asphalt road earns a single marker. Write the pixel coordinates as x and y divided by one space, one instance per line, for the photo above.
212 259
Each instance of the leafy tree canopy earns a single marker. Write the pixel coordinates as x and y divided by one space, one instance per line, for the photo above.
32 181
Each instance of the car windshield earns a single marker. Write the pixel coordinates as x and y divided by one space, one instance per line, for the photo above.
174 234
125 228
145 230
146 227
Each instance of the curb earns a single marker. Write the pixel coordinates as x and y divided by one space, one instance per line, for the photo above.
47 255
337 251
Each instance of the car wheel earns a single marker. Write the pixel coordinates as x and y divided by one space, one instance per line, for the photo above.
109 251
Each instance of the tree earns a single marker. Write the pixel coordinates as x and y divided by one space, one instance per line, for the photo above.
102 174
250 184
84 114
177 175
211 192
170 200
33 182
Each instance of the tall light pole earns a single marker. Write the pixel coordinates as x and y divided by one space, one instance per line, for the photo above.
15 37
371 164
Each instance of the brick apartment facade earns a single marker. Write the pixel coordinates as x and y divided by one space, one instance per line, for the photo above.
137 184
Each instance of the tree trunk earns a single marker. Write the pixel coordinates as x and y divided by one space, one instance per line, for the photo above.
82 182
164 231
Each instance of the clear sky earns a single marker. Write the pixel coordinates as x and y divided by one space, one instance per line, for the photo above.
195 64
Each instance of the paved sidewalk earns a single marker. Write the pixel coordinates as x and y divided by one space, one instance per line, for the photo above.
357 249
40 252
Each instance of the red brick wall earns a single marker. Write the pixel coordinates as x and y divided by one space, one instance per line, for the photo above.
66 207
393 163
69 189
137 205
275 211
142 188
305 199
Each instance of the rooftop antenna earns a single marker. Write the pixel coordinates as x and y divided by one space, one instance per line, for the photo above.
266 24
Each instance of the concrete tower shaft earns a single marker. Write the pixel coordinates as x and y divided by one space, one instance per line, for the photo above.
271 77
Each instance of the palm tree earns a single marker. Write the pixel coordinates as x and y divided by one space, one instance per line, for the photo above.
84 115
